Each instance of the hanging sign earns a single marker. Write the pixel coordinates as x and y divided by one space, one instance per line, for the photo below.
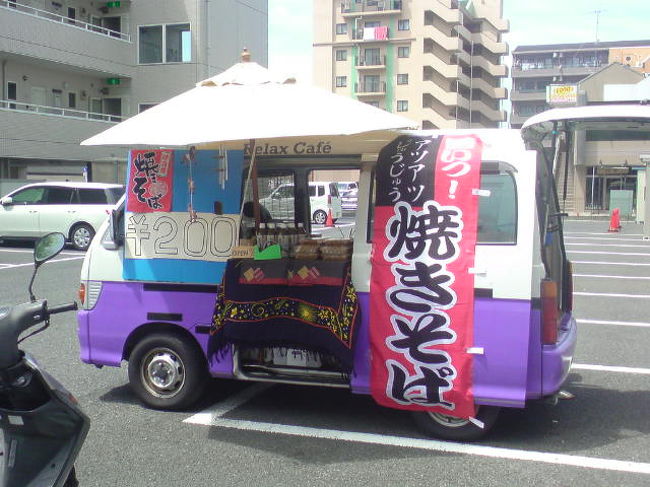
150 181
422 291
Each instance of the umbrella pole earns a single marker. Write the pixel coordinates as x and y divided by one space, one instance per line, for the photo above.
252 177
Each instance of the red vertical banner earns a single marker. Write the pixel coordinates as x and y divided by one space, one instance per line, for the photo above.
150 181
422 288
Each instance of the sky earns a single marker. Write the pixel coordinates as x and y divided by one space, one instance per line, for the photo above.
531 22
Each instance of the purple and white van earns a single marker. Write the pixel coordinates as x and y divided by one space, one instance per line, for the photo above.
162 291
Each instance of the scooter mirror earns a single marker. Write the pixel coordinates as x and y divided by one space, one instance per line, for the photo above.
48 246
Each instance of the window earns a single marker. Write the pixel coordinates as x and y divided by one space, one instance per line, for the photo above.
498 212
497 219
403 51
372 23
341 29
341 81
92 197
403 24
277 199
372 57
145 106
58 196
402 105
341 55
12 93
402 79
176 44
72 100
29 196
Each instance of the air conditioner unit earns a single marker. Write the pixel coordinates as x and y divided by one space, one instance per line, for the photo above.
555 54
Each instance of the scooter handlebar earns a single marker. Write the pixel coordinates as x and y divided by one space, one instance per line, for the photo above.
17 319
62 308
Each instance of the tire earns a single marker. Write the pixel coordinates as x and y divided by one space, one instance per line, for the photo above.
71 481
320 217
167 371
81 235
450 428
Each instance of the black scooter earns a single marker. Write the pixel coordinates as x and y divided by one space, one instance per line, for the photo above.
43 428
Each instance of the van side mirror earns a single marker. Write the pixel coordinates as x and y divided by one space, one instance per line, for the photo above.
7 201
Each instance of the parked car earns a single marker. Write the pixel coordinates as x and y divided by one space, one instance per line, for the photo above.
74 209
347 186
323 198
349 200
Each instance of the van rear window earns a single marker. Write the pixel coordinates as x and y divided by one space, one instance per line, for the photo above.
497 220
92 197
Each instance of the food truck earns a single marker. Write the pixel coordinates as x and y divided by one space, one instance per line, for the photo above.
449 297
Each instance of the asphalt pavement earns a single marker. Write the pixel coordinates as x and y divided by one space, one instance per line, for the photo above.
276 435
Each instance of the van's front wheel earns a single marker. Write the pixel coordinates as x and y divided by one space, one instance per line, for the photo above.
456 429
167 371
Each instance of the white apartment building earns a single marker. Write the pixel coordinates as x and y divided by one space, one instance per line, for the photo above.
438 62
71 68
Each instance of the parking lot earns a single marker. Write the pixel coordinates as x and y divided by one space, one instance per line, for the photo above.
247 433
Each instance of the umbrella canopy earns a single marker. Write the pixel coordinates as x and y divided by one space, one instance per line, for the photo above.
248 102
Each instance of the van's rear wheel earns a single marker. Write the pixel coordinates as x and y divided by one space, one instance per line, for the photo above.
320 217
456 429
167 371
81 236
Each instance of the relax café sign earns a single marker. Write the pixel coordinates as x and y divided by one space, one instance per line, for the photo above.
300 148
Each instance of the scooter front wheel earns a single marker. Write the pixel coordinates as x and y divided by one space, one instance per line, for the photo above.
167 371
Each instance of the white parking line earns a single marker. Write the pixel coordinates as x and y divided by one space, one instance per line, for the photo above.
611 295
606 234
31 251
578 244
640 324
13 266
611 368
637 254
636 264
605 239
212 417
603 276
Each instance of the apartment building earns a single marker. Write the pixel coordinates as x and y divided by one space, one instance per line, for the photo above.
71 68
537 67
436 62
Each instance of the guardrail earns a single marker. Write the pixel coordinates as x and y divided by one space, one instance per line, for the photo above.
62 19
23 107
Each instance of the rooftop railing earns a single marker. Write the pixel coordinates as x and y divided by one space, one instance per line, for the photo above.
23 107
62 19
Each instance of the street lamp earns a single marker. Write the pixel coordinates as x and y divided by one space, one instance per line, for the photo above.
645 159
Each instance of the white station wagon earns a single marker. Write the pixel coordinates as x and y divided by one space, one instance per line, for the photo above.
74 209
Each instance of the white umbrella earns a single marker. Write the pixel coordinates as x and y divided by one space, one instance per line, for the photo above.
248 102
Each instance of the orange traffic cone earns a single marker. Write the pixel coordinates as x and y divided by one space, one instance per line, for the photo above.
615 221
330 221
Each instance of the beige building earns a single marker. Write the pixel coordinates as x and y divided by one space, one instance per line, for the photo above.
606 170
437 63
70 69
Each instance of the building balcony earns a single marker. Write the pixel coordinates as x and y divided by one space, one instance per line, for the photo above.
372 62
37 131
370 89
494 92
38 35
352 8
545 69
54 16
530 95
371 34
500 48
18 106
450 43
496 70
447 70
